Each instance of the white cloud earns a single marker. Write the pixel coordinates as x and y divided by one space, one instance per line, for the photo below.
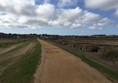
17 6
101 24
90 17
66 3
74 18
76 25
116 13
25 13
8 18
94 27
104 22
45 11
22 19
103 4
70 14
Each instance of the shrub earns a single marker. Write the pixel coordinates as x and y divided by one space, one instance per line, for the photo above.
74 45
110 54
64 43
92 48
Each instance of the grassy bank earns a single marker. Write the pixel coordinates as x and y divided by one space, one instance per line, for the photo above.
23 70
109 73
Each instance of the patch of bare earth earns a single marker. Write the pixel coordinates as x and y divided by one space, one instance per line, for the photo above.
7 41
59 66
11 58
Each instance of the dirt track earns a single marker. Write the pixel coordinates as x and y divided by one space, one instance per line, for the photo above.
59 66
12 57
4 50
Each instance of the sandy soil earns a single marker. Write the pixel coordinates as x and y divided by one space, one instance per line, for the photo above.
59 66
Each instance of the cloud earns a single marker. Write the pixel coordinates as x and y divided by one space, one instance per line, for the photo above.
8 18
27 14
116 13
104 22
76 25
103 4
101 24
73 18
45 11
69 14
67 3
22 19
24 12
94 27
22 7
90 17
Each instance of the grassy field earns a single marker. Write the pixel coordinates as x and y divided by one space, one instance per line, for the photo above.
82 48
22 67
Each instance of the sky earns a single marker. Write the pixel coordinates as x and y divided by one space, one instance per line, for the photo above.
60 17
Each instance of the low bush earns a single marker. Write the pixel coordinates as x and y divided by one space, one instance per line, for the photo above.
64 43
110 54
92 48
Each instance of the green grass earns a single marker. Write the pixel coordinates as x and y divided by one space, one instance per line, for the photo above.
23 70
5 45
109 73
106 71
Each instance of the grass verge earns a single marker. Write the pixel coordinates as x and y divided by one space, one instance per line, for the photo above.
23 70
